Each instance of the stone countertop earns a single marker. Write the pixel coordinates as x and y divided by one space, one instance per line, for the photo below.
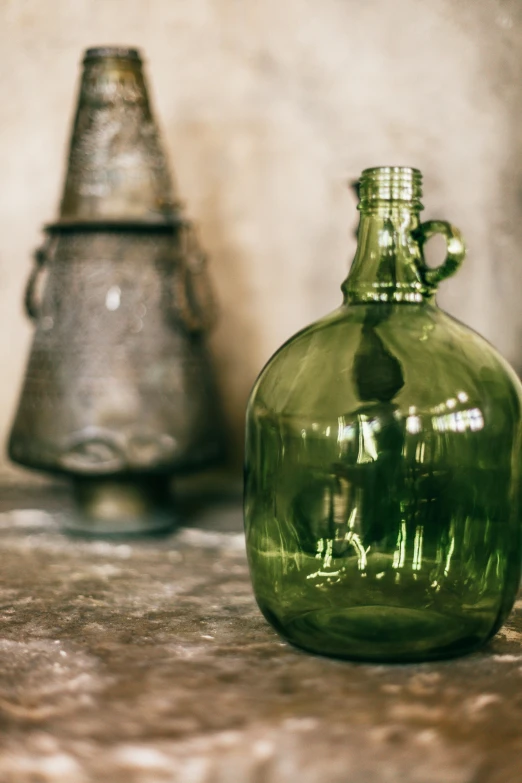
148 662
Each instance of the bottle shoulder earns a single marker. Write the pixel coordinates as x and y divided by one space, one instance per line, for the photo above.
411 354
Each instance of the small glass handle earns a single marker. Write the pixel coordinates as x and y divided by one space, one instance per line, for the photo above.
456 250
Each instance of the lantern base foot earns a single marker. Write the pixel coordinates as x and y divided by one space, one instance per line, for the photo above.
121 506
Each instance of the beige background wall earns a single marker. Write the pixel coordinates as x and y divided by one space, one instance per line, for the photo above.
268 108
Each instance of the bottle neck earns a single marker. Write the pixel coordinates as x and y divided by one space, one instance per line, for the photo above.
385 267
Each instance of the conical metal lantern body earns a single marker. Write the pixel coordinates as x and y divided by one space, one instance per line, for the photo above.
116 169
119 391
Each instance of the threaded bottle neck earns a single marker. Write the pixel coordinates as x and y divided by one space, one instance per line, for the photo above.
385 267
390 185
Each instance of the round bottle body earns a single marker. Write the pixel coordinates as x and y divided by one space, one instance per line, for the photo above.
382 495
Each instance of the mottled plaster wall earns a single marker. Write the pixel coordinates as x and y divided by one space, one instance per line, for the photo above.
268 109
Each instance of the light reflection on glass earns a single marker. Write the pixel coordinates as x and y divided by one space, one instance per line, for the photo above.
459 421
366 428
349 431
450 551
385 238
355 540
413 424
367 444
352 518
345 432
399 556
417 548
362 432
324 553
419 452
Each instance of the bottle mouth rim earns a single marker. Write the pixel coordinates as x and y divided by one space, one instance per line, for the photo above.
112 52
392 171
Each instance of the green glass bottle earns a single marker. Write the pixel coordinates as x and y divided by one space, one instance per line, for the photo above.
382 495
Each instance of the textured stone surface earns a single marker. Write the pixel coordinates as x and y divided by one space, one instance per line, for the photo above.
267 109
148 662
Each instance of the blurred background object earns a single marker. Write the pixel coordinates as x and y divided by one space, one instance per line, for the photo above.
119 392
268 110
